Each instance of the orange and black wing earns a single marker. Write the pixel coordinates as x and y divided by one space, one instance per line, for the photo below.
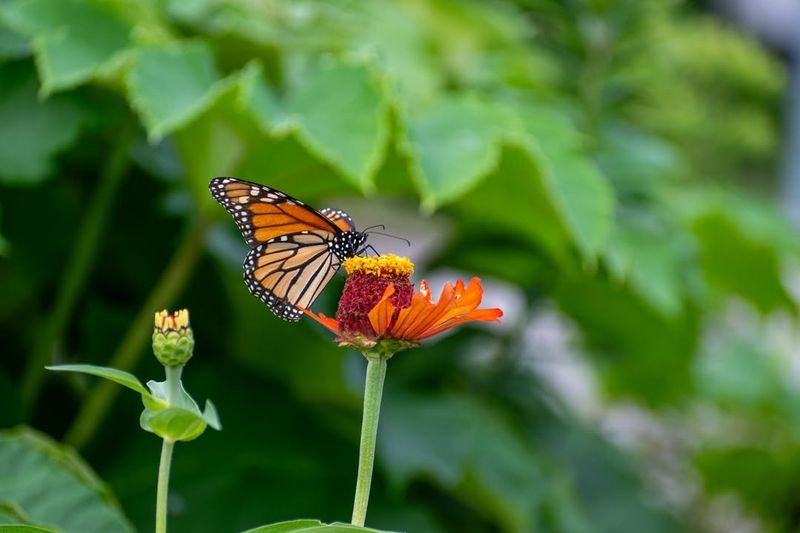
341 219
263 213
290 272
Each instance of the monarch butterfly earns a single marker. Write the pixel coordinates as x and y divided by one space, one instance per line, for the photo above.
296 249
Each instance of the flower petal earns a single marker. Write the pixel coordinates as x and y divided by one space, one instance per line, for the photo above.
381 315
425 290
466 299
415 320
483 315
330 323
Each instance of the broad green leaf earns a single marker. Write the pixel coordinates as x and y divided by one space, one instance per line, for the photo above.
73 39
488 206
13 45
638 351
453 145
20 528
580 195
308 526
125 379
257 96
742 244
53 487
170 85
458 149
765 478
337 110
285 527
10 513
338 528
32 131
214 141
651 255
466 449
734 263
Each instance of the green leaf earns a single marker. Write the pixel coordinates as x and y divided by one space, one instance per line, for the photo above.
53 487
175 418
581 196
742 244
13 45
170 85
73 39
118 376
338 111
638 350
734 263
211 416
308 526
453 145
173 423
286 527
10 513
651 254
32 131
459 148
20 528
465 448
489 206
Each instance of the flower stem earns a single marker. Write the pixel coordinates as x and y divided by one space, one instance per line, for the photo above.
373 391
131 349
173 383
163 485
79 265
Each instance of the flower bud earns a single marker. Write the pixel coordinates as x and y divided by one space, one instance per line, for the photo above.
173 340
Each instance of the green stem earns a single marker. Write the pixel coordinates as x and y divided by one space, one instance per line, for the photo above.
131 349
162 493
173 383
78 267
373 391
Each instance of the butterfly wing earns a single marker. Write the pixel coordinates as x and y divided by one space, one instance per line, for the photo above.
290 273
291 259
263 213
339 218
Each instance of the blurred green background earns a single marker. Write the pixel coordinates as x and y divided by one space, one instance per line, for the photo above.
609 168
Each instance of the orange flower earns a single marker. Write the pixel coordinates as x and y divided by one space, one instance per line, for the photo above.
378 306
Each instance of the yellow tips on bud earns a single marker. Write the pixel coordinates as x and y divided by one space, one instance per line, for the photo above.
165 321
173 340
389 265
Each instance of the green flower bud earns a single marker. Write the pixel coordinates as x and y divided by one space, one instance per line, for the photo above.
173 340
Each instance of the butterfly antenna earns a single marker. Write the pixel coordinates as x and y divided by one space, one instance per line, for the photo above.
373 227
392 236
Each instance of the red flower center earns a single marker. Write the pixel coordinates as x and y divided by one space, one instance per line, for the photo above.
368 280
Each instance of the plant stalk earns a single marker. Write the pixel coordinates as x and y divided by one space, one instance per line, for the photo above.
78 267
162 493
373 391
131 349
173 383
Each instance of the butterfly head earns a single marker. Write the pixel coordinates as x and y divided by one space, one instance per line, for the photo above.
349 244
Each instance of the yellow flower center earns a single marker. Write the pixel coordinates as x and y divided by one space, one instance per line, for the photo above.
380 266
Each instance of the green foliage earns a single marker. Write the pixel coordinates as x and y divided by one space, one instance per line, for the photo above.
307 526
49 485
33 131
573 151
178 419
